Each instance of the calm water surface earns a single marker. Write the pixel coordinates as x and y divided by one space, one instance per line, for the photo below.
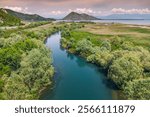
135 22
75 79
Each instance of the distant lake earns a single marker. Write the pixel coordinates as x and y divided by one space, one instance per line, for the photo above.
136 22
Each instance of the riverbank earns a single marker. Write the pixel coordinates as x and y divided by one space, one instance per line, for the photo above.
74 78
126 60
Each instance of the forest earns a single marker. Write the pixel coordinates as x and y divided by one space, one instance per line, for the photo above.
25 62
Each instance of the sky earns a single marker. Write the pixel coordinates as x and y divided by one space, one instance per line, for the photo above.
60 8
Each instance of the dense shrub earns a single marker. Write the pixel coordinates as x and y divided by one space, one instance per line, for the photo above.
34 74
125 69
138 89
84 47
25 63
106 46
9 60
101 57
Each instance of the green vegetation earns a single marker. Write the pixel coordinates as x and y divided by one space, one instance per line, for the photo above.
122 51
7 19
25 63
125 60
139 89
28 17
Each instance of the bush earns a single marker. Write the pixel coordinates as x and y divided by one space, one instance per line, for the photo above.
106 46
25 63
138 89
116 43
101 57
2 42
36 69
9 59
31 78
84 47
125 69
15 88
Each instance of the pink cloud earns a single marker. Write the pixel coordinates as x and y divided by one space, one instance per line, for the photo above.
18 9
130 11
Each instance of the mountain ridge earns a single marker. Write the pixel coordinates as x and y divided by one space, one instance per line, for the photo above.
7 19
28 17
77 16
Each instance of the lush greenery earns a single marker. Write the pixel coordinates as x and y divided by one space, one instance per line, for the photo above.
7 19
25 63
28 17
122 51
126 63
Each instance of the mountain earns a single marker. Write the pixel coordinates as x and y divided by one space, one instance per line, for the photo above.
127 16
7 19
28 17
77 16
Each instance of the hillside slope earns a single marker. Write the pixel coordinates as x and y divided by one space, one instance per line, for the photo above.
7 19
28 17
77 16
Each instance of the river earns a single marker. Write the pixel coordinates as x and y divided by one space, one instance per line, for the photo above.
75 79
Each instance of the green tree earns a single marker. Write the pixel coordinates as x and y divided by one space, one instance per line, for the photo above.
31 78
84 47
102 57
106 45
116 43
37 70
125 69
15 89
138 89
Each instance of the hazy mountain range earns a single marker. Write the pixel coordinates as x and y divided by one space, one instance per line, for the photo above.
77 16
126 16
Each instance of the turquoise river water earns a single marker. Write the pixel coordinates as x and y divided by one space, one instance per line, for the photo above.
75 79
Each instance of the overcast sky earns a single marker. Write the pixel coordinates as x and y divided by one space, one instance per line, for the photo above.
60 8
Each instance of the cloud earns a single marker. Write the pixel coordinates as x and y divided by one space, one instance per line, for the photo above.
78 10
82 10
130 11
85 10
60 8
57 12
18 9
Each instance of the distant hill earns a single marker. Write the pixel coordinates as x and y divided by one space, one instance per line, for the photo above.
28 17
127 16
77 16
7 19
